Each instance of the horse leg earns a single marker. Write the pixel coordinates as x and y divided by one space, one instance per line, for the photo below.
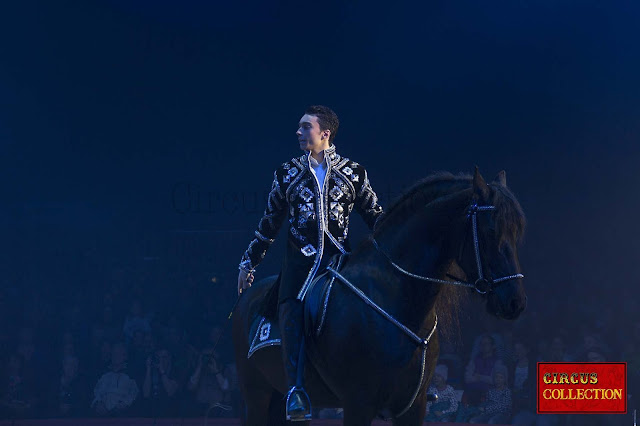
358 415
277 412
256 402
415 415
256 393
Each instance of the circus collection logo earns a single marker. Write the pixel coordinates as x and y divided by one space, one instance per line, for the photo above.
582 387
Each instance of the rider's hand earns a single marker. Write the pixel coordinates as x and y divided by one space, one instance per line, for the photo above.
244 280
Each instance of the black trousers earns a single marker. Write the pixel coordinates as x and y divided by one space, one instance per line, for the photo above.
295 269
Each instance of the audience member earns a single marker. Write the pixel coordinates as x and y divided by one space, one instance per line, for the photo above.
478 373
523 385
72 399
116 391
160 386
497 407
209 385
444 409
17 391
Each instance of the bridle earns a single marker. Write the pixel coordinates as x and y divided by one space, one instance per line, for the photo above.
482 285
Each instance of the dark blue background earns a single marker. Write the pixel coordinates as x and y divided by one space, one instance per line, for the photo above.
110 110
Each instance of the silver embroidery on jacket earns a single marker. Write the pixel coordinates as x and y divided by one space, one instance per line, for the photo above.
308 250
336 212
306 194
336 193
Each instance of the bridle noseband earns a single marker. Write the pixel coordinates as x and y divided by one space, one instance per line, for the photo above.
482 285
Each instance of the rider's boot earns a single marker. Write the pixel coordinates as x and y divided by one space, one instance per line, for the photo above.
298 405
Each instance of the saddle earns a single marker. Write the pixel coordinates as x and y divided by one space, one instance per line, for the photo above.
265 330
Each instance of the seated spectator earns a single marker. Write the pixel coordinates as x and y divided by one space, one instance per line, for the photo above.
17 391
478 372
160 386
72 400
446 406
497 408
116 391
523 386
209 385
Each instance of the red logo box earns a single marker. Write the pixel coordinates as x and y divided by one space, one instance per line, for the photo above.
582 387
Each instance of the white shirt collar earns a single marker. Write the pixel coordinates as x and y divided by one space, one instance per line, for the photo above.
314 163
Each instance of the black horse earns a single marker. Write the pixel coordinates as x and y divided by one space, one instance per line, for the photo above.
371 346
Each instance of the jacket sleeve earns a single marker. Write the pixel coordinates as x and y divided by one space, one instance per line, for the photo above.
366 202
268 226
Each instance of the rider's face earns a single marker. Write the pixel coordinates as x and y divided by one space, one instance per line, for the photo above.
310 137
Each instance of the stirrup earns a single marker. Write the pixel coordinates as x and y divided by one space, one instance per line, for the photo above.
305 413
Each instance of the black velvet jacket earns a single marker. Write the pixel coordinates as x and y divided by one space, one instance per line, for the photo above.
316 217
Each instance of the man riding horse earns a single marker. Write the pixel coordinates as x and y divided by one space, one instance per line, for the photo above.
317 191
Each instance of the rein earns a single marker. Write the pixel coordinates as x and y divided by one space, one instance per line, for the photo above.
481 285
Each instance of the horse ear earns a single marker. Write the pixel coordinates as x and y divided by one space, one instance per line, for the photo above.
501 179
480 187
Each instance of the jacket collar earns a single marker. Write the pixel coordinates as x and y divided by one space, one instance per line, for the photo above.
329 154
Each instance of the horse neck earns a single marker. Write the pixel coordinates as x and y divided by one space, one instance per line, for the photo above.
423 247
423 243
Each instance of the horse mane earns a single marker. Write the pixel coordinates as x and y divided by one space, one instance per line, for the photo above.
418 195
508 216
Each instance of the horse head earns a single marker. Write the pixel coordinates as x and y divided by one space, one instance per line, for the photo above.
488 254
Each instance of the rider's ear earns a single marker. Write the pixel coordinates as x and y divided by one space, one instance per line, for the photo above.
480 187
501 179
